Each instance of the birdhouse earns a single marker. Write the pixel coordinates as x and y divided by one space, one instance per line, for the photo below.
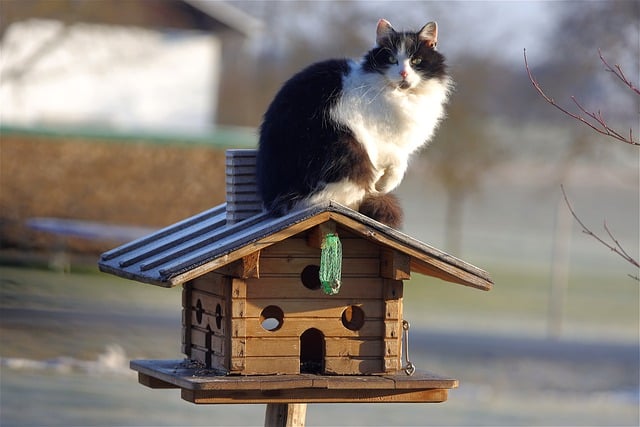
307 301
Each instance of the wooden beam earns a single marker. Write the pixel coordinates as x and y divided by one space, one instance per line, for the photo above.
285 415
395 265
153 382
317 233
314 395
247 267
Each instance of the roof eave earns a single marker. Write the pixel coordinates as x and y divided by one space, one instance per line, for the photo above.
261 231
230 16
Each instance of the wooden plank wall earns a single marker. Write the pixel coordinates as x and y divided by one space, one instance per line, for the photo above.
206 321
373 348
223 315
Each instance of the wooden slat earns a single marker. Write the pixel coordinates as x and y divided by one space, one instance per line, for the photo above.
292 267
214 215
153 382
353 365
334 347
275 365
393 310
392 329
393 305
393 289
245 267
337 347
212 283
238 347
292 287
208 322
392 364
331 327
316 235
208 340
186 318
297 247
395 265
306 308
392 347
238 326
286 346
294 247
238 288
318 396
208 302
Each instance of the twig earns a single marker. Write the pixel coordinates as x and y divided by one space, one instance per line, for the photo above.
616 247
600 124
618 73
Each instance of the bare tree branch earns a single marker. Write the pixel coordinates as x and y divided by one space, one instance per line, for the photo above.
618 73
615 247
597 122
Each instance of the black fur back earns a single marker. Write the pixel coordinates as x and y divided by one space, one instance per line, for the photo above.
301 148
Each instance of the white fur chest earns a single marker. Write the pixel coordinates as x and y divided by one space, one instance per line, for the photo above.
391 123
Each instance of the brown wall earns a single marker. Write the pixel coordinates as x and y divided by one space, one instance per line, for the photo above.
129 183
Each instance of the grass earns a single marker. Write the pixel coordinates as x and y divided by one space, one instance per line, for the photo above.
40 288
80 314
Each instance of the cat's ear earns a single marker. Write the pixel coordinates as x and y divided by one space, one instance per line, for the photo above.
429 34
383 31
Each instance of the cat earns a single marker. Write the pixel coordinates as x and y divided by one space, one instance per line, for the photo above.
344 130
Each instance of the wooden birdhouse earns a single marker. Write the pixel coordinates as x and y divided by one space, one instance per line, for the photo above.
307 301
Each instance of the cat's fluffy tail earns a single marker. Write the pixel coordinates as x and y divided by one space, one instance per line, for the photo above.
384 208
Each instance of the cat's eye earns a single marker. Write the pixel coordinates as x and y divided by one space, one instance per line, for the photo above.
416 61
392 59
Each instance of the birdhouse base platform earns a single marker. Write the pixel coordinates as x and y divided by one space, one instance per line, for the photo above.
203 386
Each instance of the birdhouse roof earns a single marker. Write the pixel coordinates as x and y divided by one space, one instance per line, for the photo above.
206 242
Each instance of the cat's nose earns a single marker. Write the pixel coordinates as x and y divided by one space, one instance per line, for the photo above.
403 74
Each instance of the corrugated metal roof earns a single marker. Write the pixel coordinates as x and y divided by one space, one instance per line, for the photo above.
205 242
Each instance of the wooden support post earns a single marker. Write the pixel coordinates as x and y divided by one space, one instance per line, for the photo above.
317 233
285 415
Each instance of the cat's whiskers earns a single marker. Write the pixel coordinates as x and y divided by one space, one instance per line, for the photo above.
375 87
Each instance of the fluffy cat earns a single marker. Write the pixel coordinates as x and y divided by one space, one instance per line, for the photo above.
344 130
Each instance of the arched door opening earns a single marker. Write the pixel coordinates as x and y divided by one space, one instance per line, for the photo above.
312 351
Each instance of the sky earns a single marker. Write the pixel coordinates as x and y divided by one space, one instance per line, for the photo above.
500 28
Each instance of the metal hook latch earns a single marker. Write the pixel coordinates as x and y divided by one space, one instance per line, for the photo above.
409 368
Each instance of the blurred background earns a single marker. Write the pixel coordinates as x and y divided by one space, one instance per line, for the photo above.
114 118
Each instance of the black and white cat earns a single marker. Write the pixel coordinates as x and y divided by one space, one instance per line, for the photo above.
343 130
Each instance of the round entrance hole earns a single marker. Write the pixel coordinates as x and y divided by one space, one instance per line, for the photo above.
271 318
353 318
310 277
